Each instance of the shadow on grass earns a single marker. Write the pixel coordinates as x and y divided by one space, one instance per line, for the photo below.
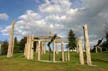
100 60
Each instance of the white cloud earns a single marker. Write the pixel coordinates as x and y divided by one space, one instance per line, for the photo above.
6 30
3 16
0 29
32 23
55 6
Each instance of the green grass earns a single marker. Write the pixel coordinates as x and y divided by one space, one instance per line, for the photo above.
19 63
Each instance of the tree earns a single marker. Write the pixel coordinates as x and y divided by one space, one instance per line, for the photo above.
16 46
4 47
106 36
22 44
72 40
104 45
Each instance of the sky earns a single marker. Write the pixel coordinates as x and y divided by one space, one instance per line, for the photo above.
39 17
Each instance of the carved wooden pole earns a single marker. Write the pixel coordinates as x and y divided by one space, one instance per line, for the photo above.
38 48
44 48
11 41
31 47
54 51
25 50
28 48
100 49
77 49
81 57
68 54
56 48
62 47
87 45
96 49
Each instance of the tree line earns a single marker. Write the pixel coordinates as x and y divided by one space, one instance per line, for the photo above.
72 44
18 46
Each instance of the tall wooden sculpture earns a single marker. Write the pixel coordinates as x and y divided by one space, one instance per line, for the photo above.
49 43
11 41
80 49
87 45
28 52
62 48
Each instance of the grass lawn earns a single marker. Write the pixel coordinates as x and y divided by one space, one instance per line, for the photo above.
19 63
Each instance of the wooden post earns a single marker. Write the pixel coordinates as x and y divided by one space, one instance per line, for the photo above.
43 48
81 57
68 54
77 49
96 49
100 49
56 48
31 47
38 47
28 48
25 50
87 44
54 51
11 41
62 47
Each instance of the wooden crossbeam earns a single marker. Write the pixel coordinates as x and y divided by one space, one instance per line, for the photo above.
56 40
